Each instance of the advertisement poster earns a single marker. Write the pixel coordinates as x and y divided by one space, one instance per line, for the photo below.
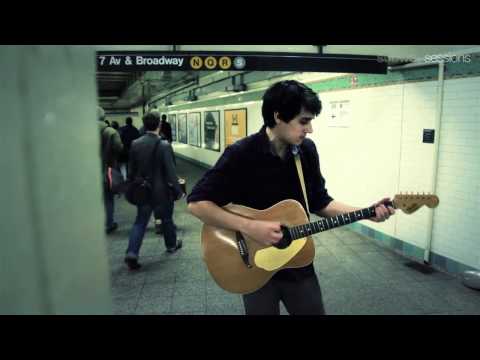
211 130
235 125
182 128
172 120
194 129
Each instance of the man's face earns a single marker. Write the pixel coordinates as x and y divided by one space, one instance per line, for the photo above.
296 130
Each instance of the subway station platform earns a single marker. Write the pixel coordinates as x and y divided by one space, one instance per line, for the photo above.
358 276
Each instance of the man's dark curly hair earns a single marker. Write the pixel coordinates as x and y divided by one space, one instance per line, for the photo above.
287 98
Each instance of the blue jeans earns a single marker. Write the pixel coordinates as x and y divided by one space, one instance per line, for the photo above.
165 212
109 206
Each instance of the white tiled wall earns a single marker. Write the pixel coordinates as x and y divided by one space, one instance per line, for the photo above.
417 159
456 233
360 162
374 158
382 153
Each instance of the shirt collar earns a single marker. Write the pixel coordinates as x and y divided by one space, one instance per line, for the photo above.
265 144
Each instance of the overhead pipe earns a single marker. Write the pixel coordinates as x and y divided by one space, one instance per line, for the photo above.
241 75
236 87
179 91
192 83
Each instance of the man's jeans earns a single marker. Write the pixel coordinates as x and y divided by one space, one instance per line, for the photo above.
143 217
109 207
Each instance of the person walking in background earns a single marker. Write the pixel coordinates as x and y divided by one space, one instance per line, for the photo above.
166 129
111 148
128 134
158 221
116 126
151 155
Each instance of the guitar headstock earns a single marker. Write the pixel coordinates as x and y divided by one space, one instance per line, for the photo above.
409 203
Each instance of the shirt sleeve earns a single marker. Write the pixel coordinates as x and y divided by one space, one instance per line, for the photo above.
166 154
318 194
218 184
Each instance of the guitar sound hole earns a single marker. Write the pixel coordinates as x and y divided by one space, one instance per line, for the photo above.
286 239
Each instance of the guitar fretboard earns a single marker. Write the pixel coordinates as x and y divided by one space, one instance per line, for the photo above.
300 231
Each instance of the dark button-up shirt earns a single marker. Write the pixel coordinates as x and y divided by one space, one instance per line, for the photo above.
249 173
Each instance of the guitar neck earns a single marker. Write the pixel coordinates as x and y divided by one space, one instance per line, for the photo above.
300 231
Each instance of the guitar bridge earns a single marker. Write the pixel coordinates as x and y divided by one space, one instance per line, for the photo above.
243 249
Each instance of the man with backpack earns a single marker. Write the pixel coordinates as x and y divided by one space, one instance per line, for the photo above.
151 159
111 148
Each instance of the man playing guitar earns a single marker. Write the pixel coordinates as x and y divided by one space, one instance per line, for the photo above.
259 171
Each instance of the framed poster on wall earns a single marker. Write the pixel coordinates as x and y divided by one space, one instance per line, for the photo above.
172 120
182 128
194 129
211 130
339 114
235 125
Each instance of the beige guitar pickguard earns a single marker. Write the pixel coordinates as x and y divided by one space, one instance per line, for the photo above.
272 258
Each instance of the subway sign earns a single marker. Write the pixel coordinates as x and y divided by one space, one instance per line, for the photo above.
242 61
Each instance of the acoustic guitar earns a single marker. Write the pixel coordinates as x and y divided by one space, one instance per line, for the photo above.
241 265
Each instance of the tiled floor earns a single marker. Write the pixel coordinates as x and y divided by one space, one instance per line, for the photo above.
357 276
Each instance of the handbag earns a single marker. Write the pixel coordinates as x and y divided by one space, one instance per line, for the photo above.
115 181
139 190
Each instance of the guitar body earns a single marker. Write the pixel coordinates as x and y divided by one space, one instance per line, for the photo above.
222 255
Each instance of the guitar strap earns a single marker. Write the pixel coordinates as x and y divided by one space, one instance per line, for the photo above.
302 181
